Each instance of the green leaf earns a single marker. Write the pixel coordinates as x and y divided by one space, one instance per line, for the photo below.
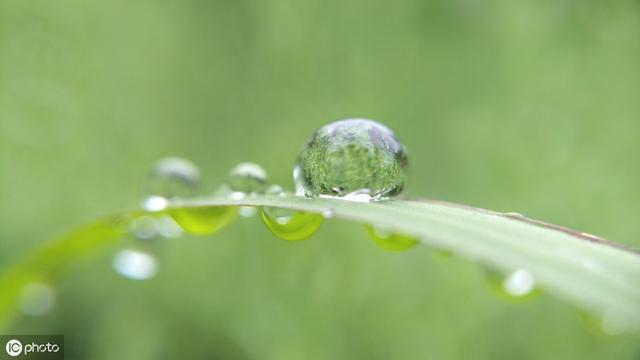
585 270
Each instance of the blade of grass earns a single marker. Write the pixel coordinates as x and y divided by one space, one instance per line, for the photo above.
593 273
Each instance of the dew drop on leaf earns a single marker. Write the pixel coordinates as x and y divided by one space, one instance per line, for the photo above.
390 240
147 227
135 265
275 189
248 211
328 213
354 159
171 177
204 220
519 284
144 227
291 225
248 178
168 228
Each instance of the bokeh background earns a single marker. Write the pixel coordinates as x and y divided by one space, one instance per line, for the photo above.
527 106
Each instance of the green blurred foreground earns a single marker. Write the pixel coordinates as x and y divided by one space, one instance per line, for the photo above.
514 106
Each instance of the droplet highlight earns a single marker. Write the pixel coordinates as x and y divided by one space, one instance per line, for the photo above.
389 240
291 225
353 159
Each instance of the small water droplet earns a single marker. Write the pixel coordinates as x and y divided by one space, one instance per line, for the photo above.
248 211
390 240
328 213
248 178
134 264
168 228
144 227
518 284
356 159
149 227
173 177
204 220
275 189
37 299
291 225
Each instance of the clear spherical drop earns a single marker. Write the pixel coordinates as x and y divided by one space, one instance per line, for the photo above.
248 178
355 159
390 240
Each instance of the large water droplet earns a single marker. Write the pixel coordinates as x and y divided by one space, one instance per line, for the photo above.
134 264
248 178
390 240
291 225
37 299
204 220
354 159
170 178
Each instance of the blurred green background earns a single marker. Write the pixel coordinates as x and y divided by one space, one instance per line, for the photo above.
527 106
